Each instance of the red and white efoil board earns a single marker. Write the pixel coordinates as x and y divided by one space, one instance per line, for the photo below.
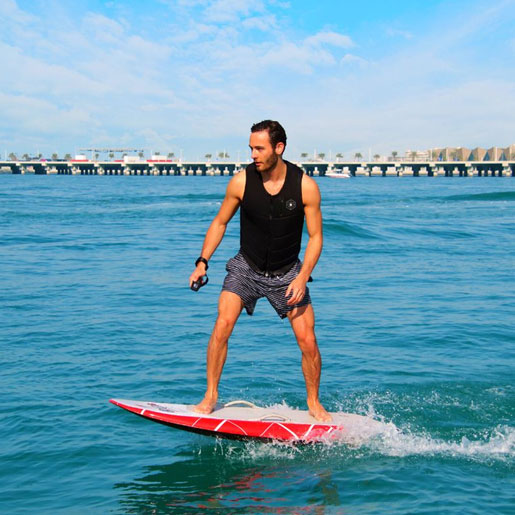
242 420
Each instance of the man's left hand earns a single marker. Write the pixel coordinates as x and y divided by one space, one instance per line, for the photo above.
297 290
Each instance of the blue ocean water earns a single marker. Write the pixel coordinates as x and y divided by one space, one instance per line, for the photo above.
415 302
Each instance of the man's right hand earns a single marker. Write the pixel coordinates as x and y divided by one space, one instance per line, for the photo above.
200 271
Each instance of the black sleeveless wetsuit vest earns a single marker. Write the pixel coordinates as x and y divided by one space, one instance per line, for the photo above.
271 225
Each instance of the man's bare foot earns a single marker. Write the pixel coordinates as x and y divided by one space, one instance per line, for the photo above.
206 406
317 411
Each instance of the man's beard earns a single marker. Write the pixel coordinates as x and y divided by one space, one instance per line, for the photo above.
270 166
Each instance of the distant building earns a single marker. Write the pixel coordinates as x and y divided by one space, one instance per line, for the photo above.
158 158
442 154
416 155
492 154
131 159
477 154
465 154
462 154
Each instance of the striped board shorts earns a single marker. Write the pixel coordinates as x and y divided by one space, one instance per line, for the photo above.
250 286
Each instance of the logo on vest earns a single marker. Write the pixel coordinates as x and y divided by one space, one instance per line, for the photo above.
291 204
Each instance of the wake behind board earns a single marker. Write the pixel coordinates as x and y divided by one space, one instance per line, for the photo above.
242 420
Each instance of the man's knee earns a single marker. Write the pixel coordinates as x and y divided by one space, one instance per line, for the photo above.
225 324
308 344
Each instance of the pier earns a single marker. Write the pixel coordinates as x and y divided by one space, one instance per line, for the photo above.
328 169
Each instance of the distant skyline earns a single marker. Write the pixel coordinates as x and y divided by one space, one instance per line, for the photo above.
191 76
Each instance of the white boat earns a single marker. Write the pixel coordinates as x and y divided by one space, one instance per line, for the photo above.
336 174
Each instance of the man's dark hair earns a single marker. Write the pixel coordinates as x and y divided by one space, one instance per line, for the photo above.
275 131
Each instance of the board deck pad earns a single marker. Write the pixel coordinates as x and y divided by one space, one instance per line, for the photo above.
245 421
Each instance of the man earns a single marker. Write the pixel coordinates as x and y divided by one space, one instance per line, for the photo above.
274 196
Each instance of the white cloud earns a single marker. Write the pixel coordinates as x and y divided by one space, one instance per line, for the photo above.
264 23
102 26
330 38
191 33
224 11
25 113
23 74
223 52
399 33
187 3
353 59
298 58
9 11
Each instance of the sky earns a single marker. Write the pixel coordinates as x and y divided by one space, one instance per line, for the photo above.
192 76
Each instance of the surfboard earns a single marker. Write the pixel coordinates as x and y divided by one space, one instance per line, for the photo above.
242 420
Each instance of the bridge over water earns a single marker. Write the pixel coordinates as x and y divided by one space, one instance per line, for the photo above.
330 169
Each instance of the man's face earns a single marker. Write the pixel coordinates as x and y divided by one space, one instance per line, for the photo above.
264 155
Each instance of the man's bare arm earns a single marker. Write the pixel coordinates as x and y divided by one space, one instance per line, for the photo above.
216 231
313 214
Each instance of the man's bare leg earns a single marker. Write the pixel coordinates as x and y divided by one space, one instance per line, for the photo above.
303 324
229 309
